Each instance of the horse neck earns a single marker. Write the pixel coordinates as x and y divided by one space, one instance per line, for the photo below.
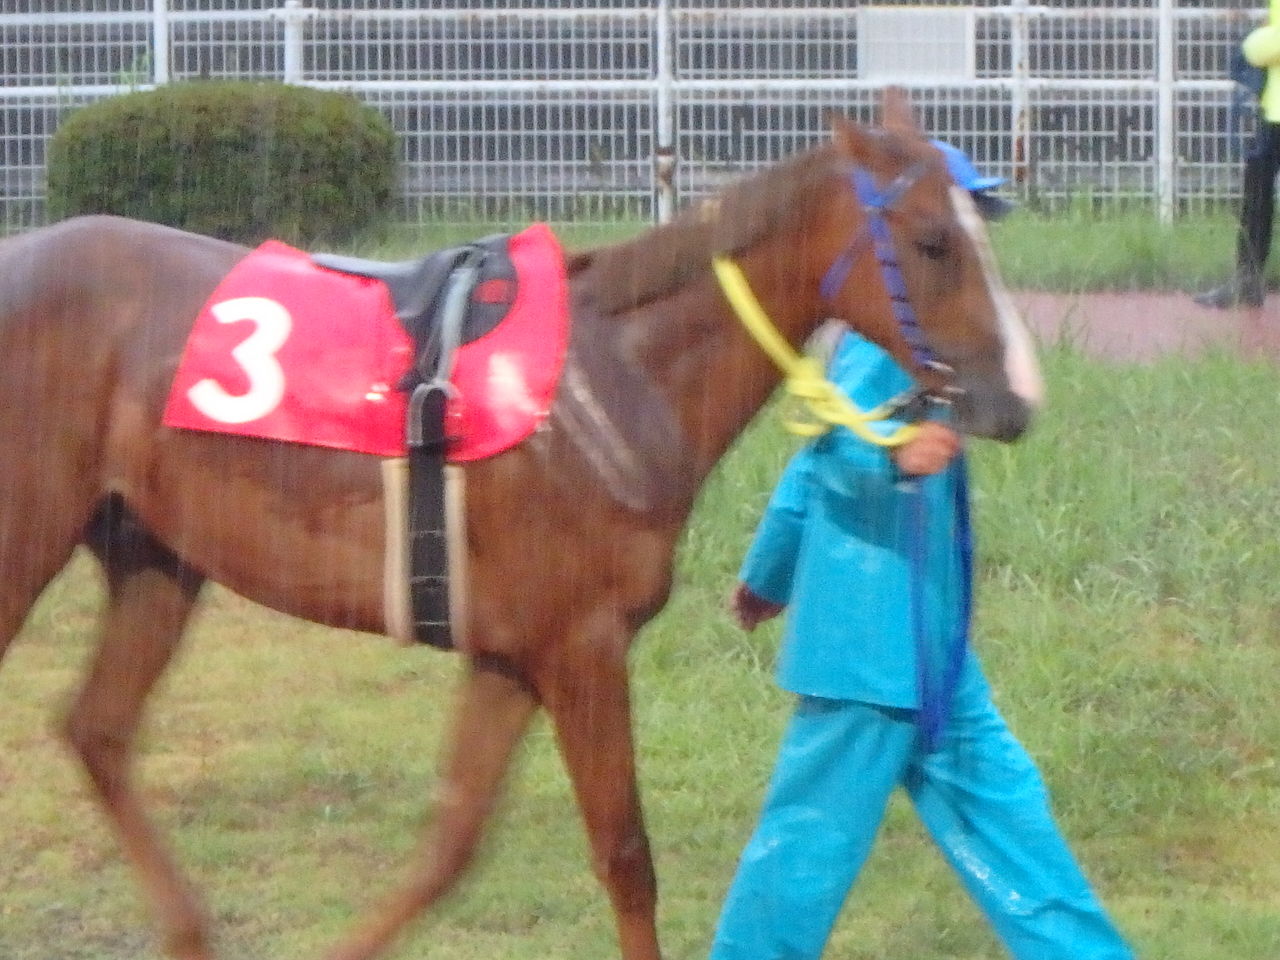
704 359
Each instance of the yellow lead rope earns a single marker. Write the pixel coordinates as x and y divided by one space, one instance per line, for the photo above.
823 405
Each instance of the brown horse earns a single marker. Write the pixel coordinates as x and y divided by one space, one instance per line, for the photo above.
570 535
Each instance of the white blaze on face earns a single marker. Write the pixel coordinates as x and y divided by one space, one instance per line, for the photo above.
1020 363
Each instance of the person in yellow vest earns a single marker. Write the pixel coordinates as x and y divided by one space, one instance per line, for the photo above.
1248 288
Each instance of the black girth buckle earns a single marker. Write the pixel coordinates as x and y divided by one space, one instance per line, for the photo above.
425 427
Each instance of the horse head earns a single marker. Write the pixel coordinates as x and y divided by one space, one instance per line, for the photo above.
902 256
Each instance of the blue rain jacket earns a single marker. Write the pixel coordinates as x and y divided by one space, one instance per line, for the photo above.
835 545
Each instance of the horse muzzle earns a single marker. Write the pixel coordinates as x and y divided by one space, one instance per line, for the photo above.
981 410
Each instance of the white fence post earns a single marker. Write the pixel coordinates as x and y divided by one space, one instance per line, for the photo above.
293 15
1019 107
664 155
1166 121
160 37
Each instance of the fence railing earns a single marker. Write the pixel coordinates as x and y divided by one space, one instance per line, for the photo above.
595 113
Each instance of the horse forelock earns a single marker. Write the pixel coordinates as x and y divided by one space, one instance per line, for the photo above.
777 201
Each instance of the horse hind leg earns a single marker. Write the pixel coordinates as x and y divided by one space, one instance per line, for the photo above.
150 594
492 714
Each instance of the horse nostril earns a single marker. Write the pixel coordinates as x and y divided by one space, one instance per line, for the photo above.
1012 420
1004 417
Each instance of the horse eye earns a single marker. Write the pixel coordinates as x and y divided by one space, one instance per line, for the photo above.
935 248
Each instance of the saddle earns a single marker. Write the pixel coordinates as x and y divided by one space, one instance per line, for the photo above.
419 287
443 300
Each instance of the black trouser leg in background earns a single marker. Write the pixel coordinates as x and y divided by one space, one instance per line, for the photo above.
1257 204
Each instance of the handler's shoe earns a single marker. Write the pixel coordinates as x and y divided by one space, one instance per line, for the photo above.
1234 293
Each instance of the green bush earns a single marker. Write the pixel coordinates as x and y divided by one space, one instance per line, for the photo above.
238 160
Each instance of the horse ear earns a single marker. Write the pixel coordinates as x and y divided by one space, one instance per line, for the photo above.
866 148
896 114
857 143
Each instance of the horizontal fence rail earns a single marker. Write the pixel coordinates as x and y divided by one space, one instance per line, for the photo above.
568 112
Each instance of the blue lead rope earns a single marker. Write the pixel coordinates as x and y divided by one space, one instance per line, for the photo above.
935 700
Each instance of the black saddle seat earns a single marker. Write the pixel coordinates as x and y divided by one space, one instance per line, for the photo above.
416 286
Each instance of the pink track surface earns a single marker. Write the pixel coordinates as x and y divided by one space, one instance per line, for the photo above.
1140 326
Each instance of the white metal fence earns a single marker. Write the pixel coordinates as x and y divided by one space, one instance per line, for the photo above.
591 110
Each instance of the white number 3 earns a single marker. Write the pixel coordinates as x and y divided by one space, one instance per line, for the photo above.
256 357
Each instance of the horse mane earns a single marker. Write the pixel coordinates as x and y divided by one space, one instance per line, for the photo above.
776 200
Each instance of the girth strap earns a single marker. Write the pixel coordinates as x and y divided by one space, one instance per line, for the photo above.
427 440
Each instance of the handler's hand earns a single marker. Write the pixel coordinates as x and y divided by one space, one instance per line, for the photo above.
930 450
749 608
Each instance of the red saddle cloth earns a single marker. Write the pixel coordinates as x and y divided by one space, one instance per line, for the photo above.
288 350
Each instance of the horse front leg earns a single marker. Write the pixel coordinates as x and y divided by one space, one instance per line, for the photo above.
587 693
494 707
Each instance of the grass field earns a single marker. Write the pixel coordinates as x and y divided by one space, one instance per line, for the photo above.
1128 616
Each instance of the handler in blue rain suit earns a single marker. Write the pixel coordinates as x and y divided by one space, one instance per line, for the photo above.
836 547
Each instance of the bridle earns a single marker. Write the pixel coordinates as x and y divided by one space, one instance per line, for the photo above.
875 233
825 405
876 204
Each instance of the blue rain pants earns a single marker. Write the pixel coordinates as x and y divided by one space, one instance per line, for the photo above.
979 795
